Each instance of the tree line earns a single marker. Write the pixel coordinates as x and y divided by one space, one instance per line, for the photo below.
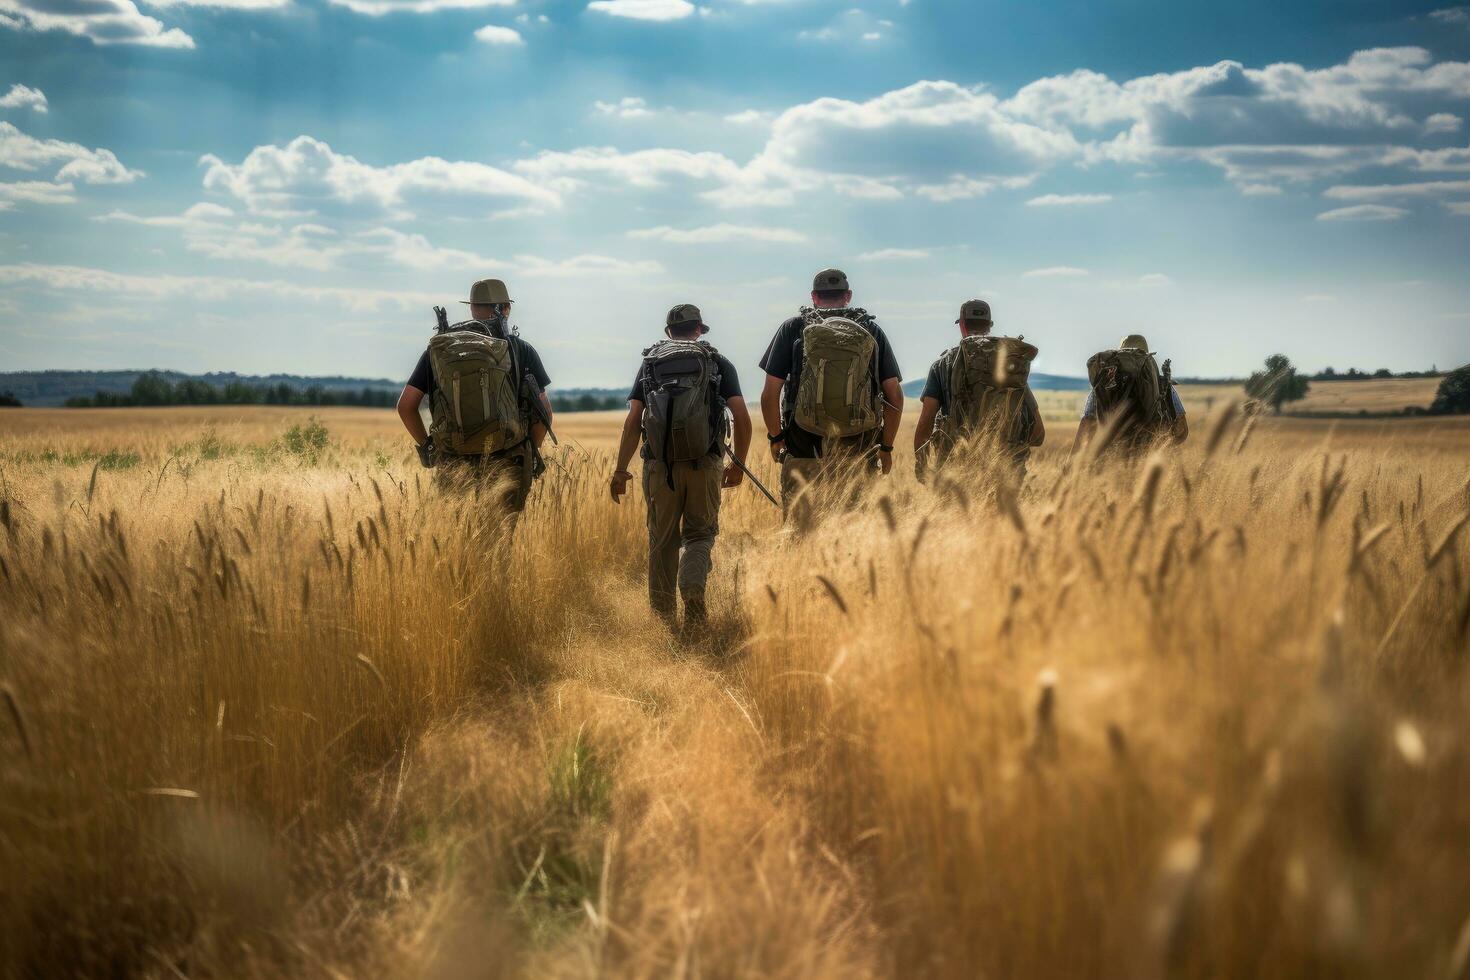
153 389
1281 383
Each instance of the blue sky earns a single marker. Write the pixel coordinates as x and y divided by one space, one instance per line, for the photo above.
288 185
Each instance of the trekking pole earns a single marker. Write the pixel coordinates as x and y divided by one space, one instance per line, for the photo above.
758 485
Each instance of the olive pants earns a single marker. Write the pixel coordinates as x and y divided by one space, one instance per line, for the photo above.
682 518
506 474
836 481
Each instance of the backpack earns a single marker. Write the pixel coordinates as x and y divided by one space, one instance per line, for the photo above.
985 385
1127 383
838 394
476 407
683 414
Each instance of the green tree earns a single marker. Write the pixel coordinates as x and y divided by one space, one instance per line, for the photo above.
151 388
1453 397
8 400
1278 384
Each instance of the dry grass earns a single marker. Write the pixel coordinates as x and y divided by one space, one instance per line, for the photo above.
269 710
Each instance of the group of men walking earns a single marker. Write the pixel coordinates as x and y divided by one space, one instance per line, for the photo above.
831 401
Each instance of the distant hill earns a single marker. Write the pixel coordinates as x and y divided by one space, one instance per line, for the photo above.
1041 382
39 389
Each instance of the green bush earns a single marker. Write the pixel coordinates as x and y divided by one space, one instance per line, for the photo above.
1453 397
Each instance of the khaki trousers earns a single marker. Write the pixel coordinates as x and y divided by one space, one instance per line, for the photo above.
835 482
683 521
507 475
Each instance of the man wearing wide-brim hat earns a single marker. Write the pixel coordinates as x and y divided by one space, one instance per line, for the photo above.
514 465
1171 424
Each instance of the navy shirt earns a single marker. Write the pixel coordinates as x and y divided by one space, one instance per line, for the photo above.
780 361
423 376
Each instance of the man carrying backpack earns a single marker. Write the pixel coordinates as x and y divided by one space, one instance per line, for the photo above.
977 398
487 399
677 408
1136 400
832 400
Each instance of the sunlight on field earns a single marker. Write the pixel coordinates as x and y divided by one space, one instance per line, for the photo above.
274 705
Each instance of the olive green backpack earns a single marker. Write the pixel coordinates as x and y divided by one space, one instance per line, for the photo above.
985 383
476 408
838 394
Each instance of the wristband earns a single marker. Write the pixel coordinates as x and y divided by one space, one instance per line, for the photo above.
778 437
884 449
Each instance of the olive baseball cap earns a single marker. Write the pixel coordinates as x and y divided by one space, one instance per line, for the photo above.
1134 341
683 313
976 310
487 292
830 279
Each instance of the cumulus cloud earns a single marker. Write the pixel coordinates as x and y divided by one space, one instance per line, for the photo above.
306 176
718 234
495 35
36 192
21 152
1055 272
1364 212
1067 200
1443 122
628 107
656 10
24 97
378 8
101 21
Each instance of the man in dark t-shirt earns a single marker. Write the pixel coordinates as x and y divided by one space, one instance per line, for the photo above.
974 321
490 306
683 496
807 458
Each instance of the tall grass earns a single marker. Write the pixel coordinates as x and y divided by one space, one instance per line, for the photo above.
296 712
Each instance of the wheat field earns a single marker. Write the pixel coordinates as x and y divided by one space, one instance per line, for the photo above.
273 706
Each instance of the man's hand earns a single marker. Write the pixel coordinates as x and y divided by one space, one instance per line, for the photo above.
426 453
778 449
733 476
885 460
619 485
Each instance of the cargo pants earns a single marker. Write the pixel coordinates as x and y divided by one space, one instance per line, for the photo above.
683 520
835 481
508 474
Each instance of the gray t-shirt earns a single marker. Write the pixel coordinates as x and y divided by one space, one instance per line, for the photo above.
1089 407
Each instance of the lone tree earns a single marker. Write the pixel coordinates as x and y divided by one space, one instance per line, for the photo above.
1278 384
8 400
1453 397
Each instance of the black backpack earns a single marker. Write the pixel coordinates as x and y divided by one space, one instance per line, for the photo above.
683 413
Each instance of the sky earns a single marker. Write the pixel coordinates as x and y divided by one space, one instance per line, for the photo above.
290 185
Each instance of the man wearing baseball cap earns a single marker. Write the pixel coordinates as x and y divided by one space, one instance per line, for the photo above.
682 494
490 305
807 459
974 321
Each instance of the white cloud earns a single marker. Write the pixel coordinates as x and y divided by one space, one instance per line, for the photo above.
22 152
640 168
1067 200
1443 122
750 117
1261 190
1364 212
24 97
378 8
101 21
960 187
1055 272
496 35
656 10
894 255
306 176
1155 279
223 4
586 265
628 107
1459 208
718 234
1371 192
1453 15
36 192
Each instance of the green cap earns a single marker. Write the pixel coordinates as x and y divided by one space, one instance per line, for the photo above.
830 279
683 313
1135 341
976 311
487 292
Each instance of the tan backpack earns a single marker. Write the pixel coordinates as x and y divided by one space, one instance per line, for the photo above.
985 382
1131 393
476 408
838 394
